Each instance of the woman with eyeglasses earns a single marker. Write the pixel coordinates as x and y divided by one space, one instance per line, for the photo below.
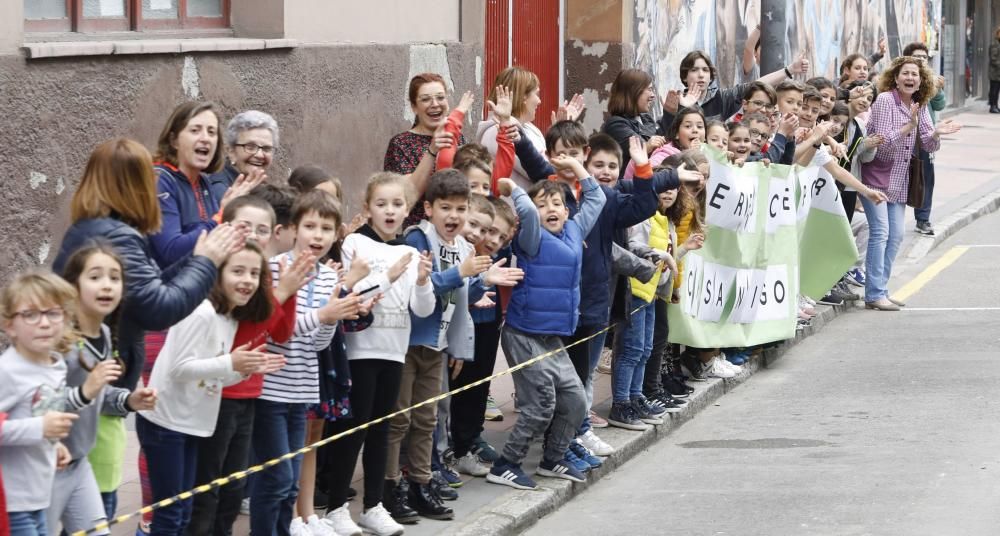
413 153
251 140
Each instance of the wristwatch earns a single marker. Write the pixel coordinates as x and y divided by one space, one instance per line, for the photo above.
787 72
817 145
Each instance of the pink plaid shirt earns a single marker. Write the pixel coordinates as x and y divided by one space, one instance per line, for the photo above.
889 172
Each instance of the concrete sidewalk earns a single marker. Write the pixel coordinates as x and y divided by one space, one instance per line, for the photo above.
967 187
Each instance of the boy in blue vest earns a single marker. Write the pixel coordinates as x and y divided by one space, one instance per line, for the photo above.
543 308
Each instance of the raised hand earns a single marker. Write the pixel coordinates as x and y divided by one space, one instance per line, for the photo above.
569 110
947 126
474 265
359 270
506 187
293 277
637 151
672 100
356 222
399 267
789 122
689 175
503 277
873 141
243 184
56 425
504 104
220 243
694 241
247 360
883 46
346 308
654 143
466 102
102 374
914 114
425 268
441 140
692 97
801 64
485 302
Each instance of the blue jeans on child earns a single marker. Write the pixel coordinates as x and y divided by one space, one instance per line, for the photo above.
110 500
172 458
279 428
27 523
629 368
885 234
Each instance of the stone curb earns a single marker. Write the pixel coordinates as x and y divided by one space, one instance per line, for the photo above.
516 511
955 222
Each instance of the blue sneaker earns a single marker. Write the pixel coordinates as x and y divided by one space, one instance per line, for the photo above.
510 474
484 451
561 469
856 277
577 462
585 454
737 358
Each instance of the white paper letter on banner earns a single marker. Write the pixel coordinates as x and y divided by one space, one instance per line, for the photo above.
717 283
690 293
731 196
825 195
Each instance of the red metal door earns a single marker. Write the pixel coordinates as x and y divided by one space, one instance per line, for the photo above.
532 27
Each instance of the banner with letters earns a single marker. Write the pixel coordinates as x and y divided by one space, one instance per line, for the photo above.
772 232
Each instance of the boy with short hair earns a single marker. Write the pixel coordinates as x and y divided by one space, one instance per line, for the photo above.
758 98
468 408
280 199
457 282
543 309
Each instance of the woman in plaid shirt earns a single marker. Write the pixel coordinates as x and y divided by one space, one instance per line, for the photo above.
898 115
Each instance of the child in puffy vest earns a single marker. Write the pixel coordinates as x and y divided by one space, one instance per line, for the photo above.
543 308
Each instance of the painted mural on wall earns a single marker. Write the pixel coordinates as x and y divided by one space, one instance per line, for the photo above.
826 30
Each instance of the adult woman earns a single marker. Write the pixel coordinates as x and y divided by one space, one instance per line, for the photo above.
116 202
525 99
995 72
412 153
899 116
700 80
251 138
628 106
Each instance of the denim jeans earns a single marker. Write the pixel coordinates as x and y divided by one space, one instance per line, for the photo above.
279 428
27 523
110 500
171 459
924 212
885 233
629 368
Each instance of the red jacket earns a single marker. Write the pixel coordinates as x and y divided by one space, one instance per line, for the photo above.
278 327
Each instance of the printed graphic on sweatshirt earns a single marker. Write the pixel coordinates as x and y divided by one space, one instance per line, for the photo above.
448 256
47 398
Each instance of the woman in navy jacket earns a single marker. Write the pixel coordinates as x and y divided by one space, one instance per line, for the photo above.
116 202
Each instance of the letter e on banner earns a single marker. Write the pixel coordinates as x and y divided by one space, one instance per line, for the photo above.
730 197
780 198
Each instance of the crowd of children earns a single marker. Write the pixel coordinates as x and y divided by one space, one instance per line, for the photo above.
241 319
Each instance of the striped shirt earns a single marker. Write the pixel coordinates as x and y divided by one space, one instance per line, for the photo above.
298 380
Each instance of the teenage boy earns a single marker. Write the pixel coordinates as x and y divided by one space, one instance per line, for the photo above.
456 283
468 408
543 309
758 98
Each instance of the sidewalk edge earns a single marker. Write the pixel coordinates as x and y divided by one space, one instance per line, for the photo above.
515 512
955 222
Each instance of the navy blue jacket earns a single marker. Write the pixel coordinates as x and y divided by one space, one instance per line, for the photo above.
153 299
629 203
187 211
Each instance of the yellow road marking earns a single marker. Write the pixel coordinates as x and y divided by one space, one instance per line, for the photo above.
929 273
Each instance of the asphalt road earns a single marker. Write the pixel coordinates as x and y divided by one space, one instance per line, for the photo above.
883 424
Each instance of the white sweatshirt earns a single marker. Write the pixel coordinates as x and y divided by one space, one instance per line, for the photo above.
193 367
389 335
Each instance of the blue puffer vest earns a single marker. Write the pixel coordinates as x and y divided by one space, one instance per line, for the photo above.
547 300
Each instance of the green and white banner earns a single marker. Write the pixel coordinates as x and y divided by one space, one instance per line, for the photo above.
771 233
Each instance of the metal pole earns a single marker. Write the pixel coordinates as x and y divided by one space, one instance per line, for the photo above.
772 35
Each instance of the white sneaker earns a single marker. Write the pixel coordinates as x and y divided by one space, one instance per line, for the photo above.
595 444
715 369
245 506
378 522
470 465
341 523
726 363
315 526
299 528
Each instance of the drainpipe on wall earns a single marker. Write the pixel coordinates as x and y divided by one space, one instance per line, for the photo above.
772 35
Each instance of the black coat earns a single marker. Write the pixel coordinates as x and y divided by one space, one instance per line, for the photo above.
153 300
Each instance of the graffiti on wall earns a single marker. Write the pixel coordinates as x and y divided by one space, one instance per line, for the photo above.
826 31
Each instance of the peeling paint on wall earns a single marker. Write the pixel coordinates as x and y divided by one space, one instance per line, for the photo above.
426 59
592 101
479 71
596 48
43 251
190 81
36 179
60 186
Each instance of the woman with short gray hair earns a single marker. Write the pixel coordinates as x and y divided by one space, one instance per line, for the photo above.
251 139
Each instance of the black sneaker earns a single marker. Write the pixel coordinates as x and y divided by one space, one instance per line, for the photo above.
664 400
676 388
925 228
560 469
831 299
845 291
396 502
647 413
694 366
426 502
623 415
510 474
484 451
442 488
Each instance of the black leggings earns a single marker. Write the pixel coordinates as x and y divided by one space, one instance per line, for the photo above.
994 91
651 382
374 389
468 408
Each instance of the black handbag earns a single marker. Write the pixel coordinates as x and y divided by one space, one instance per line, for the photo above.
915 192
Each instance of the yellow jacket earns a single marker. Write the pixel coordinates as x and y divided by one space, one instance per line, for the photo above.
659 238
